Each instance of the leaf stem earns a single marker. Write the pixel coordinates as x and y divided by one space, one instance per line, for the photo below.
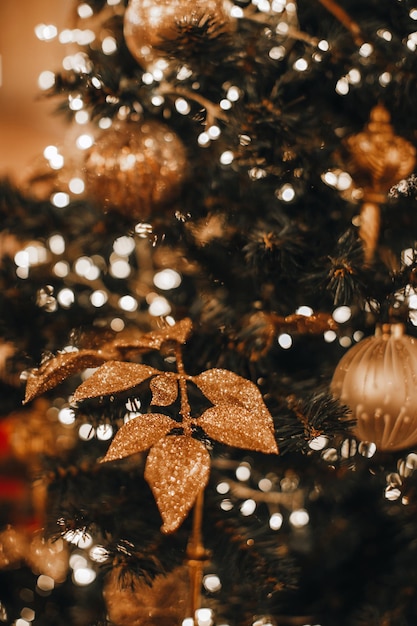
185 410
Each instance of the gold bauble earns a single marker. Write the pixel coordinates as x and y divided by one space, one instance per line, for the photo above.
135 168
377 379
149 24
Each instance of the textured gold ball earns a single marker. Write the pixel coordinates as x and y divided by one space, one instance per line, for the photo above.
151 24
136 168
377 380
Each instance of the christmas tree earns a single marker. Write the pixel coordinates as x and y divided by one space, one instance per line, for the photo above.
208 322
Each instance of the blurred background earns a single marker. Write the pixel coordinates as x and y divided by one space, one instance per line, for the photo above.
27 121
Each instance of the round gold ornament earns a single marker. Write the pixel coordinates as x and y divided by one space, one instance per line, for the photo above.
149 25
136 168
377 379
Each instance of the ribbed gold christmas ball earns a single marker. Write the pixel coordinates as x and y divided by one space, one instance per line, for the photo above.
377 380
135 168
149 24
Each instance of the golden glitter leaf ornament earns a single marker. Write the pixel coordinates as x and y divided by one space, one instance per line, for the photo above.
113 377
60 367
164 389
225 388
154 339
235 426
177 470
139 434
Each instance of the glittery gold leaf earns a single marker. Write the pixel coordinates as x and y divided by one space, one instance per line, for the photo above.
154 339
60 367
177 469
139 434
164 389
113 377
235 426
224 387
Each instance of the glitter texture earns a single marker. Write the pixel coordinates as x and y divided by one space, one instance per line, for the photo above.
113 377
235 426
226 389
154 339
138 435
177 469
164 389
58 368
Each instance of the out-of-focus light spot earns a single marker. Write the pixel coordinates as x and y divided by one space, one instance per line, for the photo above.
329 336
66 416
226 505
223 488
21 258
104 432
79 538
66 298
236 12
82 117
286 193
243 472
159 307
82 265
204 617
184 72
113 3
98 554
345 341
143 229
212 583
77 560
117 324
86 432
226 158
225 104
28 614
342 314
282 28
105 123
83 142
75 103
408 255
45 583
307 311
233 94
124 245
76 185
299 518
367 449
277 53
323 45
147 78
366 50
167 279
46 32
413 14
84 576
285 341
330 178
300 65
157 100
109 45
203 139
392 494
120 268
85 11
265 484
358 335
128 303
56 162
384 34
46 80
385 79
318 443
342 86
354 76
182 106
275 521
50 151
98 298
248 507
61 269
21 622
214 132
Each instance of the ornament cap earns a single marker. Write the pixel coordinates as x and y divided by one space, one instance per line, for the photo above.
385 331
